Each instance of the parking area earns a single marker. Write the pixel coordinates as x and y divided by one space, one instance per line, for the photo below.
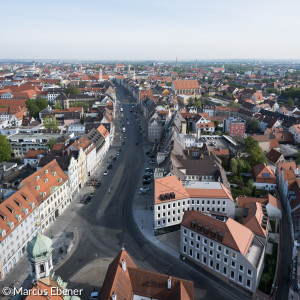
214 141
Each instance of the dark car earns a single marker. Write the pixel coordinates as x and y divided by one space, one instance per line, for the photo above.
98 184
151 155
114 159
146 181
123 143
109 166
88 199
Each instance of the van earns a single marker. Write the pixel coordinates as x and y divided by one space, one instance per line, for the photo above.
123 129
121 109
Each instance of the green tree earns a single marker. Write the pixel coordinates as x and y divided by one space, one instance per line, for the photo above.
51 142
5 149
80 104
290 102
234 166
198 103
254 125
216 123
60 84
255 153
36 105
57 106
234 104
50 122
72 90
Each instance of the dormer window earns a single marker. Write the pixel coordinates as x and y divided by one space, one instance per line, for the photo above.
59 179
46 171
45 180
54 173
25 211
37 177
32 204
37 187
11 225
19 218
43 194
2 232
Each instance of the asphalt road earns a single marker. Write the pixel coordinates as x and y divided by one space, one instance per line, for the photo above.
107 222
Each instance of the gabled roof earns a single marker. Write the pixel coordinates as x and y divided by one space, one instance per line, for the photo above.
185 84
45 180
104 132
133 281
236 235
273 156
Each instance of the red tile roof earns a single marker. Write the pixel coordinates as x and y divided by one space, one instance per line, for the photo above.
185 84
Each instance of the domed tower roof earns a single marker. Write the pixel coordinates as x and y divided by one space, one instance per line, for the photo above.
39 246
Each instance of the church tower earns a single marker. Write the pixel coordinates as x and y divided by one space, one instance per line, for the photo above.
100 75
39 253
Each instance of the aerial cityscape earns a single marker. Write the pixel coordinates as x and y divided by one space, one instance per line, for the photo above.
150 151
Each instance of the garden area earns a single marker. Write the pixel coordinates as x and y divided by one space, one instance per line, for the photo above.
268 274
240 168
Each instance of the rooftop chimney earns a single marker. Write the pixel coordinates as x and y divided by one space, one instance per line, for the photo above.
169 283
123 265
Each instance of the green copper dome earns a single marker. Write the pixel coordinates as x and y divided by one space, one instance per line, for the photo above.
39 246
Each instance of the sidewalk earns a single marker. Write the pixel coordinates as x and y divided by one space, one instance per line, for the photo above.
63 234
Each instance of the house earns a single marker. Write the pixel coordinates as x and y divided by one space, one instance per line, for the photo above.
235 126
263 176
50 187
186 87
223 247
275 157
18 217
124 280
32 157
295 131
272 204
172 198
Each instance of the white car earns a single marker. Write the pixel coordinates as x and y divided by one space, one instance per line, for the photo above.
105 173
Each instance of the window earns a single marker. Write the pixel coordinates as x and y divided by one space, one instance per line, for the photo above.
185 240
158 222
226 252
203 259
204 250
211 263
191 252
248 283
198 238
184 249
169 206
192 243
233 255
158 216
242 268
232 275
217 267
225 260
192 235
198 256
218 256
211 253
219 248
249 272
225 271
211 244
240 279
205 241
233 264
158 207
198 246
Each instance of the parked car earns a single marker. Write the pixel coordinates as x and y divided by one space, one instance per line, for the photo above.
94 296
98 184
114 159
123 143
105 173
151 155
145 189
110 166
148 170
151 161
118 153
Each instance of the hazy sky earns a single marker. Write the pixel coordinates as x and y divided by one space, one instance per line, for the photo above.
150 29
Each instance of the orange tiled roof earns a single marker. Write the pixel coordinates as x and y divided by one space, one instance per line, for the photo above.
185 84
104 132
236 235
45 179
